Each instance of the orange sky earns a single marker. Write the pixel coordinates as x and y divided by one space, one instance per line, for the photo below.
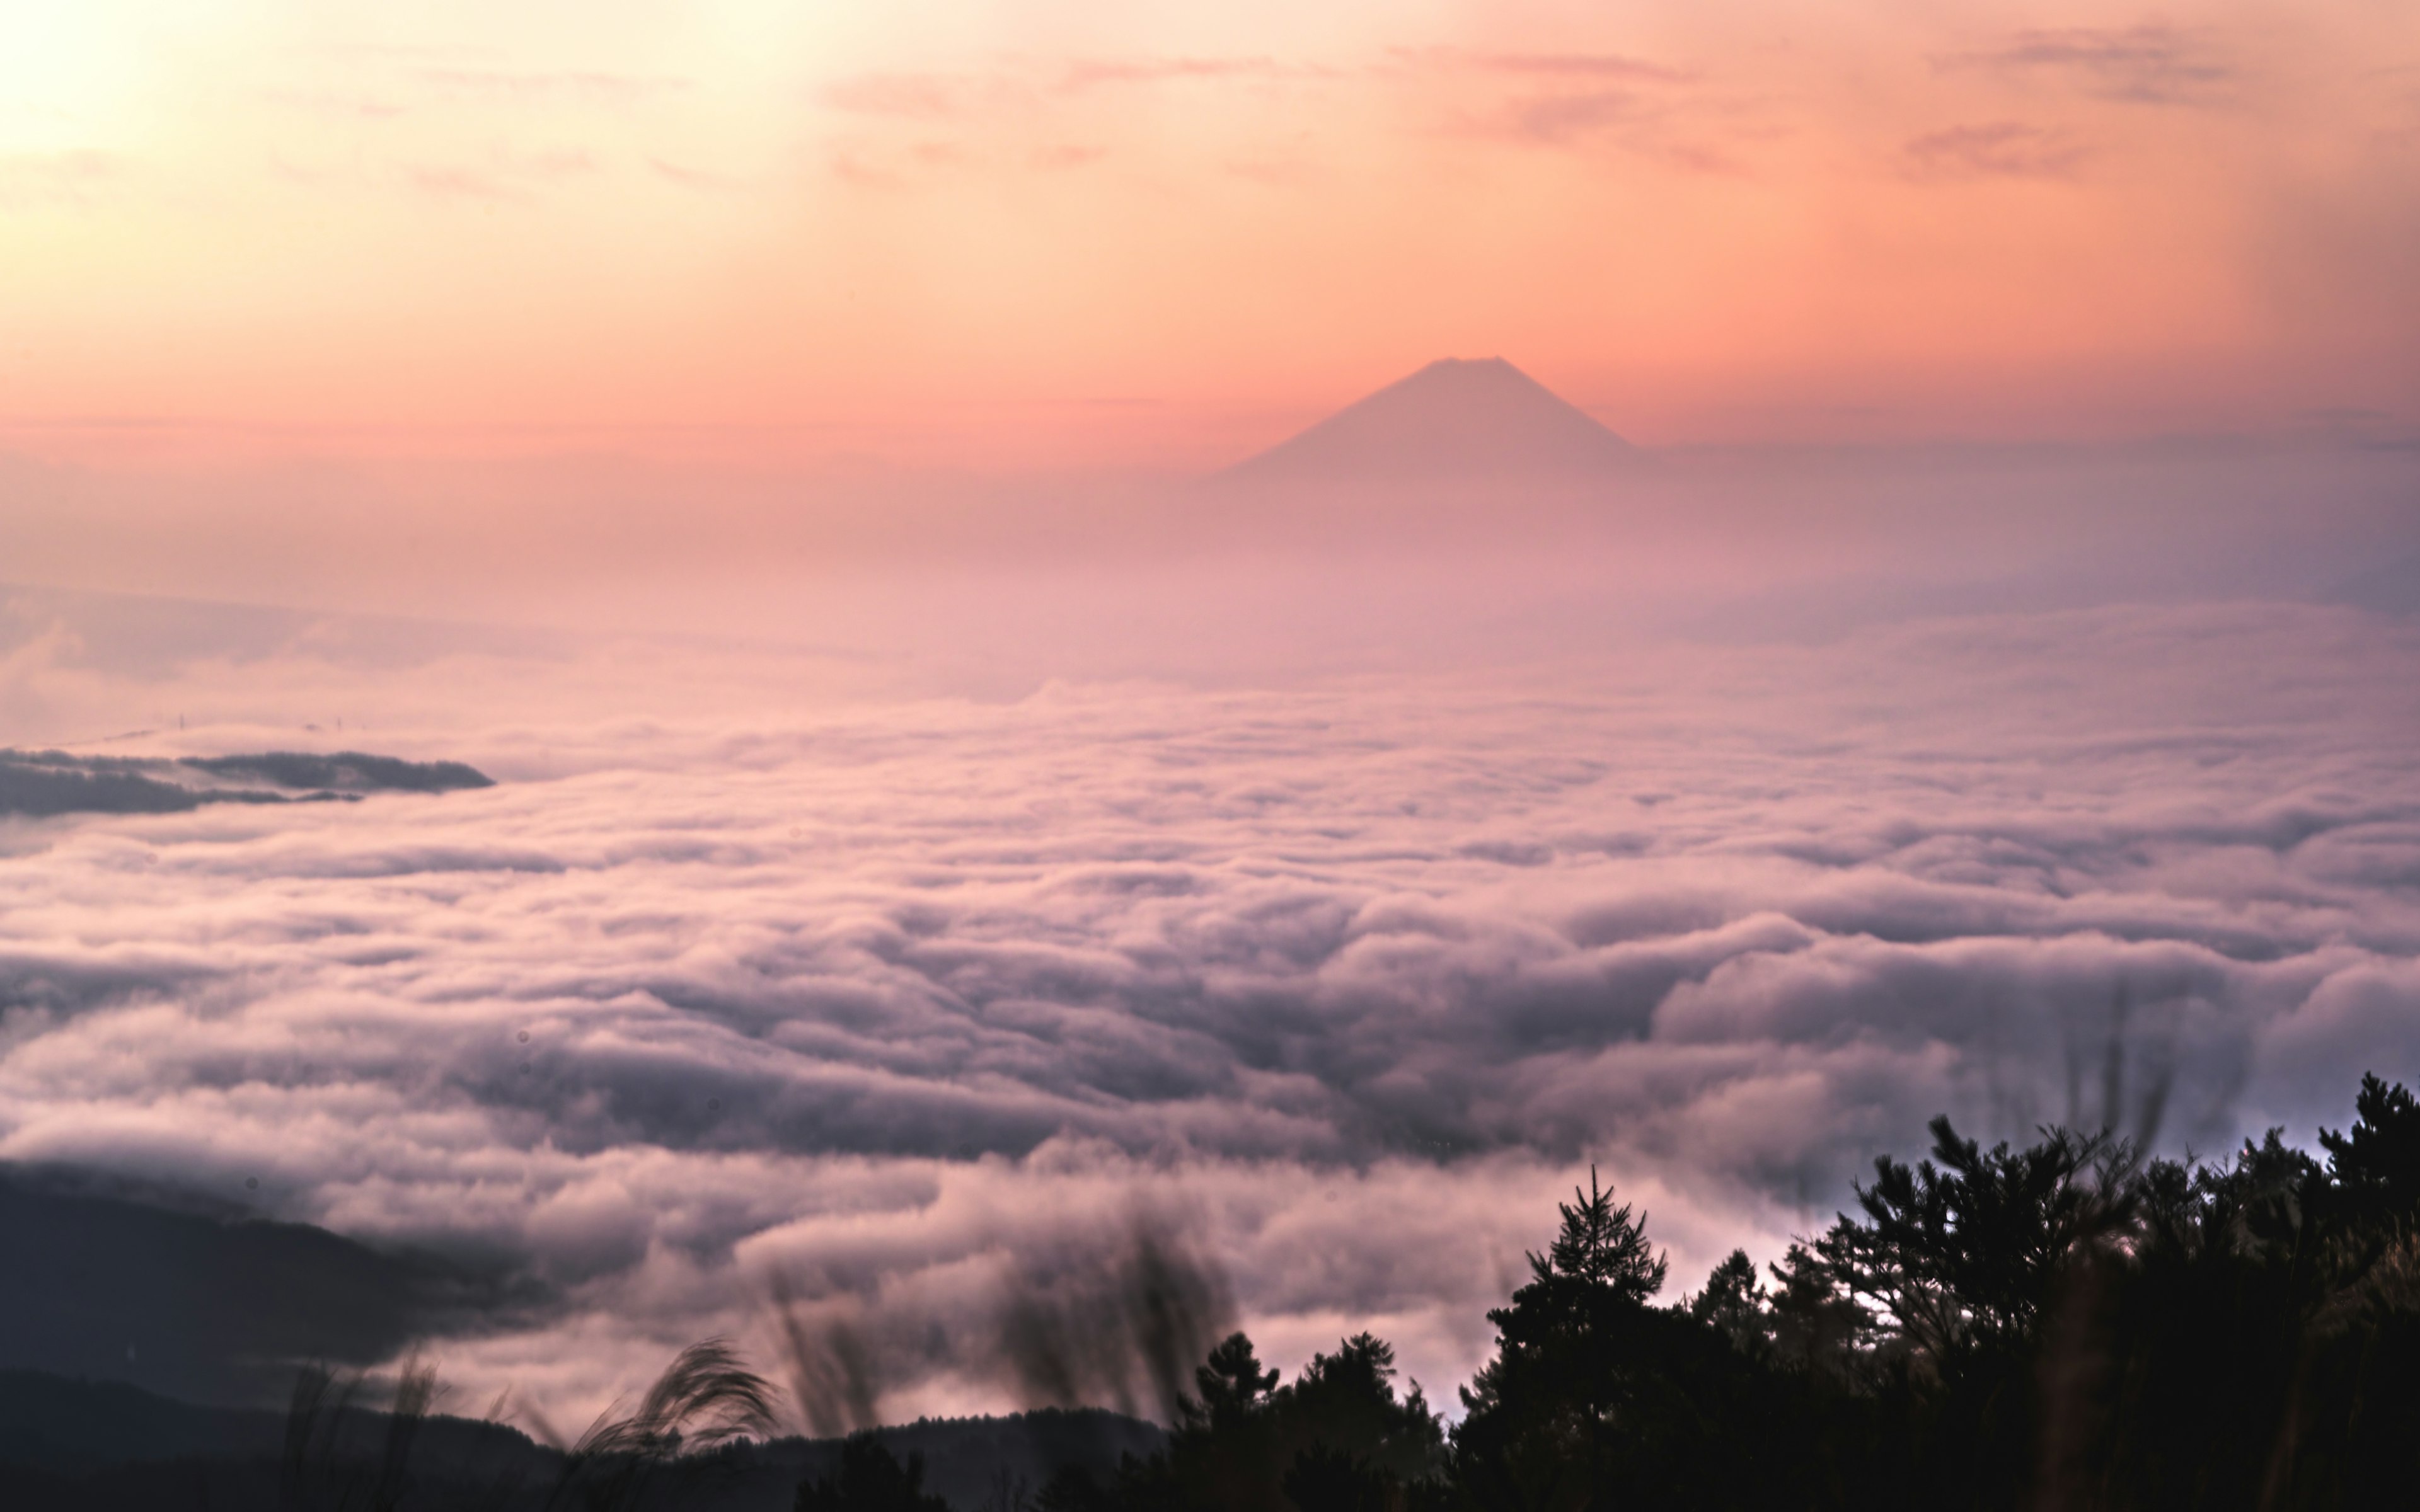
1070 234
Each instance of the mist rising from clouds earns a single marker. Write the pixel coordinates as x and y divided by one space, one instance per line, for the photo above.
882 581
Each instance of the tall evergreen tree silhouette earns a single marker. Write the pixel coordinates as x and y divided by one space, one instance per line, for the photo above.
1596 1399
870 1478
2062 1325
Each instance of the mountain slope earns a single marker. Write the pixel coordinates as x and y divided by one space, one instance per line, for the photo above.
1454 420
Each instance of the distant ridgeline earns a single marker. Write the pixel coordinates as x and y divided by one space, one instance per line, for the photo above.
42 783
72 1446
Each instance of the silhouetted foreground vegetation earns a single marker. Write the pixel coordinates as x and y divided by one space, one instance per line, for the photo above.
84 1446
2061 1326
2064 1326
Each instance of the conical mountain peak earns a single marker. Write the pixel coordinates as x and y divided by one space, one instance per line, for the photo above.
1457 419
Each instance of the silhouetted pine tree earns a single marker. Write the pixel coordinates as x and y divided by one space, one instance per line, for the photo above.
1597 1399
1336 1439
869 1479
2059 1326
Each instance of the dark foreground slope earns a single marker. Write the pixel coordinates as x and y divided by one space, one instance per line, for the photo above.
69 1446
203 1304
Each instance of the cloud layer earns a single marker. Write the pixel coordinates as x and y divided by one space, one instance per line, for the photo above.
1318 995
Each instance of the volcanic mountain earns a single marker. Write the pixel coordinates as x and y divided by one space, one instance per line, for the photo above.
1455 421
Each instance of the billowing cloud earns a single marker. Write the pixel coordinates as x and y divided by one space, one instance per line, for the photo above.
914 95
926 1027
2149 64
77 177
2004 150
586 88
1092 73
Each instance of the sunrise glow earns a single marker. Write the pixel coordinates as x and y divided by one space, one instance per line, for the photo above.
1049 236
1331 756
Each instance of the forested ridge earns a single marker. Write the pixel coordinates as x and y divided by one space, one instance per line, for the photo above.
2064 1325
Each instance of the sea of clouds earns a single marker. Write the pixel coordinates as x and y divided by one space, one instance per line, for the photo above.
901 1038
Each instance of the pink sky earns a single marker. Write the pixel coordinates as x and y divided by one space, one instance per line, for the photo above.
1074 236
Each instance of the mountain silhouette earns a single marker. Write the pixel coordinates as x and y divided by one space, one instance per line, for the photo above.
1456 420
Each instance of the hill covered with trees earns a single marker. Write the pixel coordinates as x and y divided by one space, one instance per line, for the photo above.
2064 1325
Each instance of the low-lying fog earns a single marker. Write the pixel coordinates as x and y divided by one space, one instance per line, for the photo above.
900 895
